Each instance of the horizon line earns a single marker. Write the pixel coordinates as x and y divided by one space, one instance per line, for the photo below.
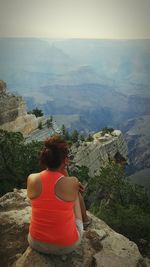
68 38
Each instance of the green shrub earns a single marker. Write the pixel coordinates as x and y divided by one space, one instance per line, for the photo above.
107 130
37 112
18 159
40 126
122 205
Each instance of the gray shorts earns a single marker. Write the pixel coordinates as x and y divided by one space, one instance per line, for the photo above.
54 249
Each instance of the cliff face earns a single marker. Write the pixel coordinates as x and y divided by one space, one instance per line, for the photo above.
13 113
137 137
101 246
100 151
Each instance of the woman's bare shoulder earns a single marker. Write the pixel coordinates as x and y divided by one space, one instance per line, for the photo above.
71 184
67 188
72 180
33 185
34 176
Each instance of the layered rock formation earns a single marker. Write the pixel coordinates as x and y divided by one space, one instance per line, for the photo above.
100 151
137 137
13 113
101 246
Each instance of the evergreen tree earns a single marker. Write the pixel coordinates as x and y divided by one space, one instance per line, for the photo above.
65 133
122 205
18 160
37 112
82 137
74 136
49 123
51 118
40 126
107 130
89 138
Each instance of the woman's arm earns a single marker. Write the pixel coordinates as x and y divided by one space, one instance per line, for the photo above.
34 187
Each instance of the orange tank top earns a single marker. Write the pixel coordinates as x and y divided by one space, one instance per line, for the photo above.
52 219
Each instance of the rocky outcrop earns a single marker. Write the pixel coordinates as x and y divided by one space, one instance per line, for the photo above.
13 113
101 246
137 138
100 151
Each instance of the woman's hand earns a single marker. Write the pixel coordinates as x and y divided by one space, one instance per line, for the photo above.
81 188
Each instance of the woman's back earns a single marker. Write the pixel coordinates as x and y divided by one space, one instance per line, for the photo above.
53 219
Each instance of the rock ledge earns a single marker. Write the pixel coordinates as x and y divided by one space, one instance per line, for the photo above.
101 246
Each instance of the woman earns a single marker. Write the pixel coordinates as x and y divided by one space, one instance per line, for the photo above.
58 210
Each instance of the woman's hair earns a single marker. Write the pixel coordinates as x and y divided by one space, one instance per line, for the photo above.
54 152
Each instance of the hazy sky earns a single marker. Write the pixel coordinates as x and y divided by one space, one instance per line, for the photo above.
75 18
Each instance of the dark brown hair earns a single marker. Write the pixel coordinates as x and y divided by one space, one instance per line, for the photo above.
54 152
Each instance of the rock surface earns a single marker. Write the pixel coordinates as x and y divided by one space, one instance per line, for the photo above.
100 151
137 137
101 246
13 113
